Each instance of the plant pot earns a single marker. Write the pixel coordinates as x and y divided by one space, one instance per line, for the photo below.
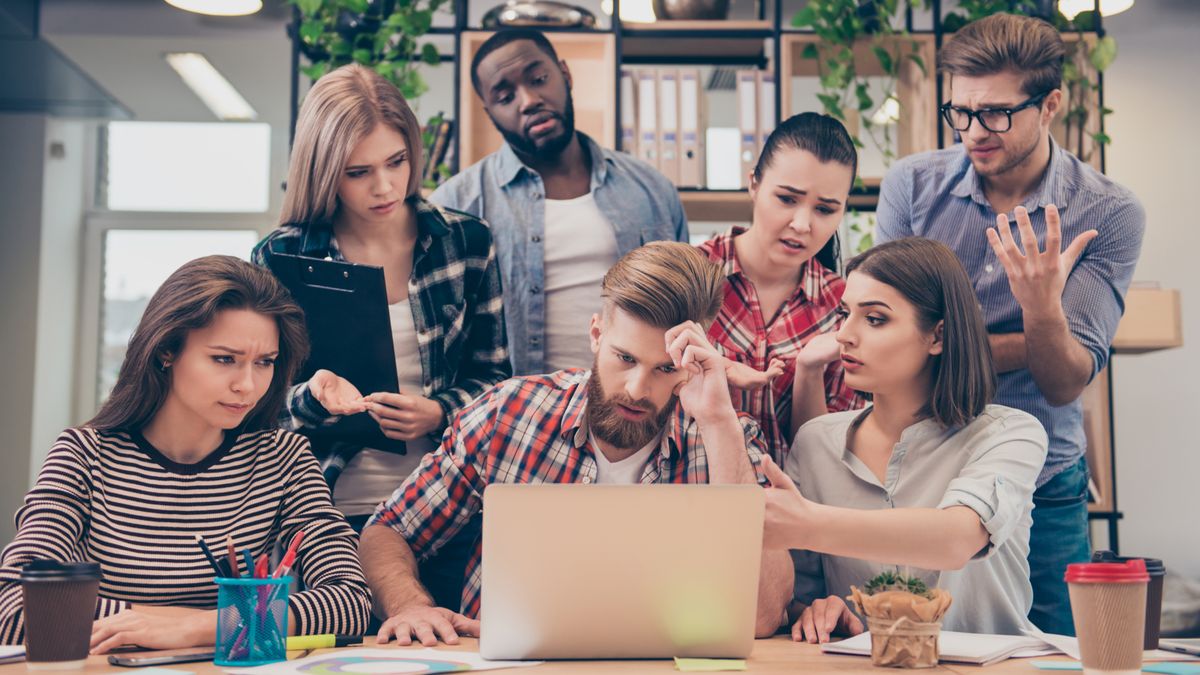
903 643
679 10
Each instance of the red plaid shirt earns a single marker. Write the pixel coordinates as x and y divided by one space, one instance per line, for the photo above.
742 334
527 430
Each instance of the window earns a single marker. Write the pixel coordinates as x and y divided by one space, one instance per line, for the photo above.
135 263
194 167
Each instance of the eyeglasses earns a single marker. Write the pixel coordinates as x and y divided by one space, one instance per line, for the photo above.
995 120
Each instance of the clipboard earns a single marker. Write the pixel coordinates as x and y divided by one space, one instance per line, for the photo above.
350 333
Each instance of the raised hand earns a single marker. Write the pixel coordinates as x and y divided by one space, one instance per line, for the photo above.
1037 278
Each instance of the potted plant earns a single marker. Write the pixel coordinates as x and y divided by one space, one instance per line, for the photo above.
904 618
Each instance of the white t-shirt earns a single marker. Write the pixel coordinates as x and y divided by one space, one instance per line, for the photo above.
373 475
628 471
581 246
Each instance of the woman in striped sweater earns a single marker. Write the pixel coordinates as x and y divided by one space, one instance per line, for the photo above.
186 446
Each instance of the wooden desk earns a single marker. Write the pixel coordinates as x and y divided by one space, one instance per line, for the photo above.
778 655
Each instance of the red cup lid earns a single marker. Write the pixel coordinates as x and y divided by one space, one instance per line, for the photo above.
1129 572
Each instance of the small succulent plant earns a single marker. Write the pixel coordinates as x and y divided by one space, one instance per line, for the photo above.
894 581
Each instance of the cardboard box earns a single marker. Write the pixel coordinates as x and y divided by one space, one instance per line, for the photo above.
1153 320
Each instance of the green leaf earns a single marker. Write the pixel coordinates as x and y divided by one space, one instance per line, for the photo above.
805 17
356 6
429 54
953 22
916 58
308 7
311 31
1070 71
362 56
315 71
1104 53
421 23
1101 138
810 52
885 59
864 98
832 105
385 68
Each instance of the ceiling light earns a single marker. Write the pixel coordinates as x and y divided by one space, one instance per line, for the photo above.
888 113
1072 8
221 98
218 7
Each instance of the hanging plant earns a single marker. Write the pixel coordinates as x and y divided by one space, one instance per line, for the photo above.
381 34
840 25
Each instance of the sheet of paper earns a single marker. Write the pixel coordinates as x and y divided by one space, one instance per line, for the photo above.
708 665
1070 647
1172 668
1058 665
959 647
408 660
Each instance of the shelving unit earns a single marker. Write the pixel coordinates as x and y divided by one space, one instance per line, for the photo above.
595 58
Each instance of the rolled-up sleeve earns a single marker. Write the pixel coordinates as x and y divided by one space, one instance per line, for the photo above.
1094 296
999 479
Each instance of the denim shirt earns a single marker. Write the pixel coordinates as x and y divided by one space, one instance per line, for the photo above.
638 201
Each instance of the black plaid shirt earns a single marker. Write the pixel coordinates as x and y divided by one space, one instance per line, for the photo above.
457 309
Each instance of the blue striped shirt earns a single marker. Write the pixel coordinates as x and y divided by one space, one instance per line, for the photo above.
939 196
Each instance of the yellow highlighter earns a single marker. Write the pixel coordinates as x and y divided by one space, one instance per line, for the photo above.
326 641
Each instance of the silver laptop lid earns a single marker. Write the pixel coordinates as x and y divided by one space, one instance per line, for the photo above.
620 571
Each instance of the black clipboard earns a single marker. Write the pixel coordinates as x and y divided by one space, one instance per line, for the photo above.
350 333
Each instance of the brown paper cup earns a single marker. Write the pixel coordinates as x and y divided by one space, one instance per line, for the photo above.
59 607
1110 622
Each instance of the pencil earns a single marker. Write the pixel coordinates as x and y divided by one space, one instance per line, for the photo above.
208 554
233 561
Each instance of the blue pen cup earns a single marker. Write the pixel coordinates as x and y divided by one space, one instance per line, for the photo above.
252 621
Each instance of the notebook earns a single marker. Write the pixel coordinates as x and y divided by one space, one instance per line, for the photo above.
972 648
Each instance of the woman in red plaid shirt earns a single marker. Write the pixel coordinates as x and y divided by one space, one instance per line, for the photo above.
779 310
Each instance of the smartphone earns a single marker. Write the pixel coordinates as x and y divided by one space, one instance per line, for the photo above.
138 660
1184 646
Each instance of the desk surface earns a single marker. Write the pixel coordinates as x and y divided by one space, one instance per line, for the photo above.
778 655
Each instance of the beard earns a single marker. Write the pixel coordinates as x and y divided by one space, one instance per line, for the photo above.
550 146
1014 158
606 425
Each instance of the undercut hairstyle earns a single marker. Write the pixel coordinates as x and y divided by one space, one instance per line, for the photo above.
827 139
188 300
664 284
1024 45
342 109
503 37
931 278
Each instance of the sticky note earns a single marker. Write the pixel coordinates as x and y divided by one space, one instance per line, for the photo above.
1172 668
1058 665
708 665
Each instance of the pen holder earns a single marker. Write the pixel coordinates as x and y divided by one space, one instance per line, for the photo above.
252 621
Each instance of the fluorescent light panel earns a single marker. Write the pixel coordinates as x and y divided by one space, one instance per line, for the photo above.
218 7
217 93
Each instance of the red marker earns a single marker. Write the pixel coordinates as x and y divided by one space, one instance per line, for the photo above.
289 558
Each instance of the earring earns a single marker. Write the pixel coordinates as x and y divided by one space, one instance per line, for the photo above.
164 366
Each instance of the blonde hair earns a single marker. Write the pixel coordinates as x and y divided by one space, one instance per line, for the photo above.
1024 45
340 110
665 283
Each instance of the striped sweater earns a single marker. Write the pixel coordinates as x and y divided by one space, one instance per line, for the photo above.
112 498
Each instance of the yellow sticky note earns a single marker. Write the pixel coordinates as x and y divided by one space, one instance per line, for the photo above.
708 665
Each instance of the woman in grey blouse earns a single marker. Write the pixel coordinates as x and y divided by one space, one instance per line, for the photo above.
930 478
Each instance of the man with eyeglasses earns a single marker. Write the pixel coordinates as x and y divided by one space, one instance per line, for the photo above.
1050 245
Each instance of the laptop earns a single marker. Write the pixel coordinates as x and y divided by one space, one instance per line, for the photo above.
620 571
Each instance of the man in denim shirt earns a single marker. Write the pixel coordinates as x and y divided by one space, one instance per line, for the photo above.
1051 279
561 208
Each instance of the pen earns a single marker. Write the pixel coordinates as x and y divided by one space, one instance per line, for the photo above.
289 558
322 641
249 560
232 553
208 554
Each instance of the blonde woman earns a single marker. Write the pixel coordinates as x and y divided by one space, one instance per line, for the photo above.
353 195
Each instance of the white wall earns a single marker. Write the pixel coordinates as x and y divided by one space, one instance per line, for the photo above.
23 138
1154 154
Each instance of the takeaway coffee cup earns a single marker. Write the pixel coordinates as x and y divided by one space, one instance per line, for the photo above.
60 604
1109 604
1154 592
